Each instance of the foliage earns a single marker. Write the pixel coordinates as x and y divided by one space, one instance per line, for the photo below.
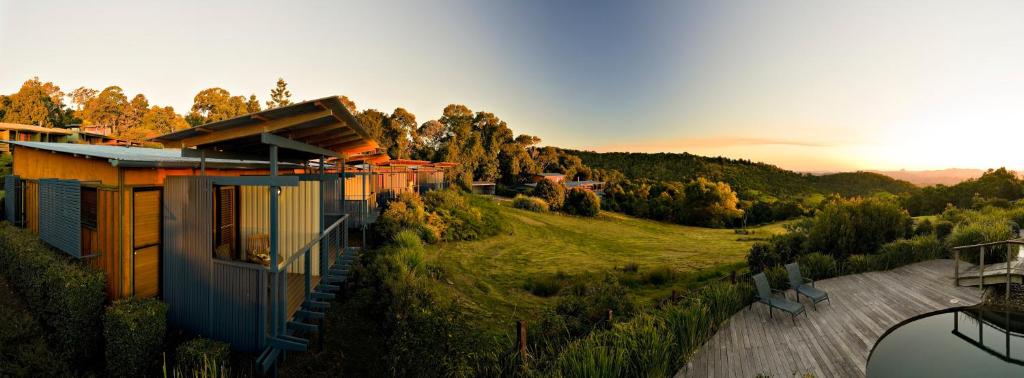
896 254
982 230
924 227
943 229
740 174
700 202
36 103
216 104
551 192
847 227
280 95
134 330
199 354
405 211
465 217
582 202
993 187
23 348
530 203
779 250
817 266
64 295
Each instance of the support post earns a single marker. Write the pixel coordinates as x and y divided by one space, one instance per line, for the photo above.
956 267
1008 246
981 270
202 162
278 312
324 246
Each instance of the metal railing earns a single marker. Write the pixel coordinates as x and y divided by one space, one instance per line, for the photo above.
981 261
330 246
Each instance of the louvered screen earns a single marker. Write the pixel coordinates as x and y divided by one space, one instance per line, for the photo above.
60 220
226 217
12 199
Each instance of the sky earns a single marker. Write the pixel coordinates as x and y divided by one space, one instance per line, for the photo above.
806 85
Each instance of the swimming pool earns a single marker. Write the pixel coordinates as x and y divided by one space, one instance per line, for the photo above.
960 342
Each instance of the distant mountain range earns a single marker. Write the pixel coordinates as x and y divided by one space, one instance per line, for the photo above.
742 175
950 176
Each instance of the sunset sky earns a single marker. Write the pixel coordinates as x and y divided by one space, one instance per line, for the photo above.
806 85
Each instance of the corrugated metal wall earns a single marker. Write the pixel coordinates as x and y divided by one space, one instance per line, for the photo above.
12 199
298 217
188 251
332 195
239 304
60 219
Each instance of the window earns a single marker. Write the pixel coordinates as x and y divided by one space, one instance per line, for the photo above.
88 207
225 222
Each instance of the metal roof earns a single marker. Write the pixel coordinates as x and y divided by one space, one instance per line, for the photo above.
139 156
33 128
323 123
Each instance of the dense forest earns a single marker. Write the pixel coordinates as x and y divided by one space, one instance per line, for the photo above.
742 175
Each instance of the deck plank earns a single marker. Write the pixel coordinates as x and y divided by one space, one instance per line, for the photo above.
836 339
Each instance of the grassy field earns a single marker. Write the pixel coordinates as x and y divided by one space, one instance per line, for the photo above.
489 275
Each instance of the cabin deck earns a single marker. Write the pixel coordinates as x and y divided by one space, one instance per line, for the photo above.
836 339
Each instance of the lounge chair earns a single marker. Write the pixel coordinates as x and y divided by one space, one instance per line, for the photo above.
800 285
766 295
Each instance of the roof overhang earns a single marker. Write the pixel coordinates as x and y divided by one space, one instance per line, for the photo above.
303 131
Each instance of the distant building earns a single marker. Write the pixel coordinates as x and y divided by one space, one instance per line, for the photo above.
30 133
553 177
483 187
585 184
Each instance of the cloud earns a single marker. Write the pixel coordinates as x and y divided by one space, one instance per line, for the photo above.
714 142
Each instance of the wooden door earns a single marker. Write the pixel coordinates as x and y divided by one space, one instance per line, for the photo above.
146 241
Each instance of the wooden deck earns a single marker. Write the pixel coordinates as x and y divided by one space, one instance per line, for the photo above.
835 340
994 273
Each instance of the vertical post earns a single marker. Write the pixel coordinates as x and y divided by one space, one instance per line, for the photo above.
202 162
609 316
521 339
956 267
278 310
324 246
1008 245
344 201
981 270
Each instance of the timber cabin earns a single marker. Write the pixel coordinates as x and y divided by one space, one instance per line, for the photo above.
240 226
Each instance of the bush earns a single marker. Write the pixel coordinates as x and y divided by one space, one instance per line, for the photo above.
859 264
777 276
530 203
586 305
546 286
924 227
659 276
464 217
779 250
406 211
817 266
984 230
943 229
857 226
201 354
134 330
23 349
582 202
551 192
761 257
64 295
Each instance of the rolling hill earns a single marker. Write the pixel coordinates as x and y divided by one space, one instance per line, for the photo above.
741 174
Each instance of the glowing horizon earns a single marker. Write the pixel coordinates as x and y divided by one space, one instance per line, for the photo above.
803 85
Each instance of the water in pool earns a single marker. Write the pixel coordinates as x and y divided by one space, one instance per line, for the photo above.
965 342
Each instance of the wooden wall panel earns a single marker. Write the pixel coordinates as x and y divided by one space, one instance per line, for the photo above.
33 164
32 206
106 256
146 225
147 269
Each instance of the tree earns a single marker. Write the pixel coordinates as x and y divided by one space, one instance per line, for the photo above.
372 121
709 204
582 202
399 130
349 104
81 96
280 95
431 134
137 109
37 103
253 105
163 120
109 108
858 226
216 104
552 192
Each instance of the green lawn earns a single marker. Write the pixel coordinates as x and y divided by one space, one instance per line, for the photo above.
488 275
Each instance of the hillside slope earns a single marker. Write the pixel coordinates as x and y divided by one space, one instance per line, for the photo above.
740 174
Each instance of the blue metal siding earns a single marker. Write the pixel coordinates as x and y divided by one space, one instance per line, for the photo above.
12 199
238 303
60 219
188 252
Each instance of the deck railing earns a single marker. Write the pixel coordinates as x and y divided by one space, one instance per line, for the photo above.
981 261
292 299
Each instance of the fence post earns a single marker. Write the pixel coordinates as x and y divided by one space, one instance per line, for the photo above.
675 296
981 270
609 316
1007 299
521 338
956 266
734 277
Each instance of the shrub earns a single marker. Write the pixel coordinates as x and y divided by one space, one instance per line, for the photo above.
134 330
777 276
23 350
201 354
859 264
659 276
64 295
543 286
779 250
943 229
530 203
761 257
983 230
856 226
582 202
817 266
709 204
551 192
406 211
585 306
924 227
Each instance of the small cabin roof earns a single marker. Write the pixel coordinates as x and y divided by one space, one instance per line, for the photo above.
483 183
141 157
549 174
34 128
406 162
305 130
572 184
